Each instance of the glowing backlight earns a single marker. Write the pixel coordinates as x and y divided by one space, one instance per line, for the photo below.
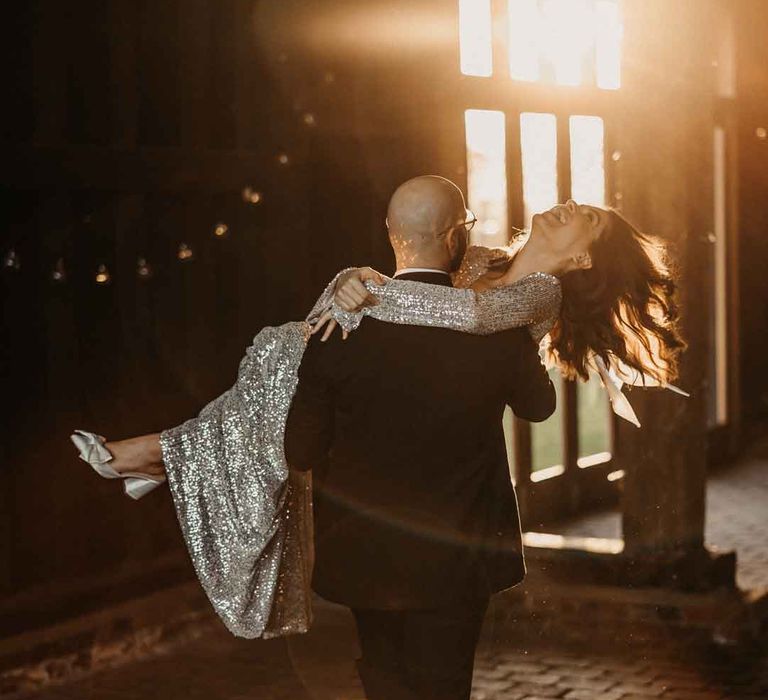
487 175
475 45
566 33
538 144
608 36
587 160
523 32
563 41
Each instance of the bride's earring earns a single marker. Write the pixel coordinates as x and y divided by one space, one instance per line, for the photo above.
583 261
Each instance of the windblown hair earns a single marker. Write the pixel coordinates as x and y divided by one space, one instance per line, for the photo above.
622 308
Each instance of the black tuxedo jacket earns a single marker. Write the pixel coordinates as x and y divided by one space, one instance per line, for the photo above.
402 426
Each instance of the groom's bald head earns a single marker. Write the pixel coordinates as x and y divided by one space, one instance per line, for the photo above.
420 217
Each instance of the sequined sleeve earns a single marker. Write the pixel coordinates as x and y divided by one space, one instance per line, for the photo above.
532 301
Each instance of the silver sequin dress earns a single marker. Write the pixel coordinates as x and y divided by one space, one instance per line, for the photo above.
245 517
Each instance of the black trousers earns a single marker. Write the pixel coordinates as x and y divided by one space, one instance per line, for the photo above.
420 654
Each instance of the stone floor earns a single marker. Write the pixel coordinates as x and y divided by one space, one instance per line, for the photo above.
736 519
320 664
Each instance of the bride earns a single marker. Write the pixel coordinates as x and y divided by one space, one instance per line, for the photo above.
584 279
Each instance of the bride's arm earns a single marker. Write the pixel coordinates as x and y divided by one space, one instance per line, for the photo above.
532 301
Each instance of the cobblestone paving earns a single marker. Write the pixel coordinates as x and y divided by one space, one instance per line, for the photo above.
534 675
319 666
736 519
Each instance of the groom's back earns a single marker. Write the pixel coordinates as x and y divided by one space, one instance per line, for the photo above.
402 425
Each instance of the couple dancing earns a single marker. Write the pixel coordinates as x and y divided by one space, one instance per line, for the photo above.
398 501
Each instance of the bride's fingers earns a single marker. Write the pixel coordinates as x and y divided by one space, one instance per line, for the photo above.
354 290
321 322
368 274
353 296
329 329
350 300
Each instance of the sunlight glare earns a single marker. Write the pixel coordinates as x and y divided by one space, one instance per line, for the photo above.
587 160
569 28
524 31
608 36
475 45
487 175
555 40
538 143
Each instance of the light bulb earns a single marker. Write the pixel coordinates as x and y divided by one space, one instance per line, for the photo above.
185 252
11 260
142 268
59 274
250 195
102 275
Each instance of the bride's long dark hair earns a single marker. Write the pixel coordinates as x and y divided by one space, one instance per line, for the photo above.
623 307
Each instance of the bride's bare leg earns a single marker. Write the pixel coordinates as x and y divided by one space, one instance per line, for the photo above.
139 454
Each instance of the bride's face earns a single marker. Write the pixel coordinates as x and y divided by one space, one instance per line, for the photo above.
568 230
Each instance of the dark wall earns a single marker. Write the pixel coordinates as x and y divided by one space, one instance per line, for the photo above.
135 127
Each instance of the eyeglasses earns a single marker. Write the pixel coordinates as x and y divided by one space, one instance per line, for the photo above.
470 221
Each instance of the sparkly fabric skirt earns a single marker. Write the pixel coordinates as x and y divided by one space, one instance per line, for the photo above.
245 517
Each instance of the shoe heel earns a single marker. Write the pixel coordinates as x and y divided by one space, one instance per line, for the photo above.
136 488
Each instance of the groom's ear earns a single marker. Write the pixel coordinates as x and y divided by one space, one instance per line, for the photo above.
452 240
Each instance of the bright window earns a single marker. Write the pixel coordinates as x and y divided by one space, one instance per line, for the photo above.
538 143
587 160
487 175
475 44
564 41
718 411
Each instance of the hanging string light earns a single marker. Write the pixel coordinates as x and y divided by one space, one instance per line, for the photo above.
11 260
184 252
143 269
309 119
102 274
59 273
250 195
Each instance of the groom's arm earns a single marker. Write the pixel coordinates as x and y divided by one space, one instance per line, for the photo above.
309 427
532 394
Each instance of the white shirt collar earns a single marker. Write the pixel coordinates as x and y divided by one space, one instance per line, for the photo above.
408 270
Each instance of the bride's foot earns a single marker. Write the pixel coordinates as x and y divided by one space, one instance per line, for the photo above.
139 455
138 468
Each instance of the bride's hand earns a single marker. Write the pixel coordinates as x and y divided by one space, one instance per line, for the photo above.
327 318
351 294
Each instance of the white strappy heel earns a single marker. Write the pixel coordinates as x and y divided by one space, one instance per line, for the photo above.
93 451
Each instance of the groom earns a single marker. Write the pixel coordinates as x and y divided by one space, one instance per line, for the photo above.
416 520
